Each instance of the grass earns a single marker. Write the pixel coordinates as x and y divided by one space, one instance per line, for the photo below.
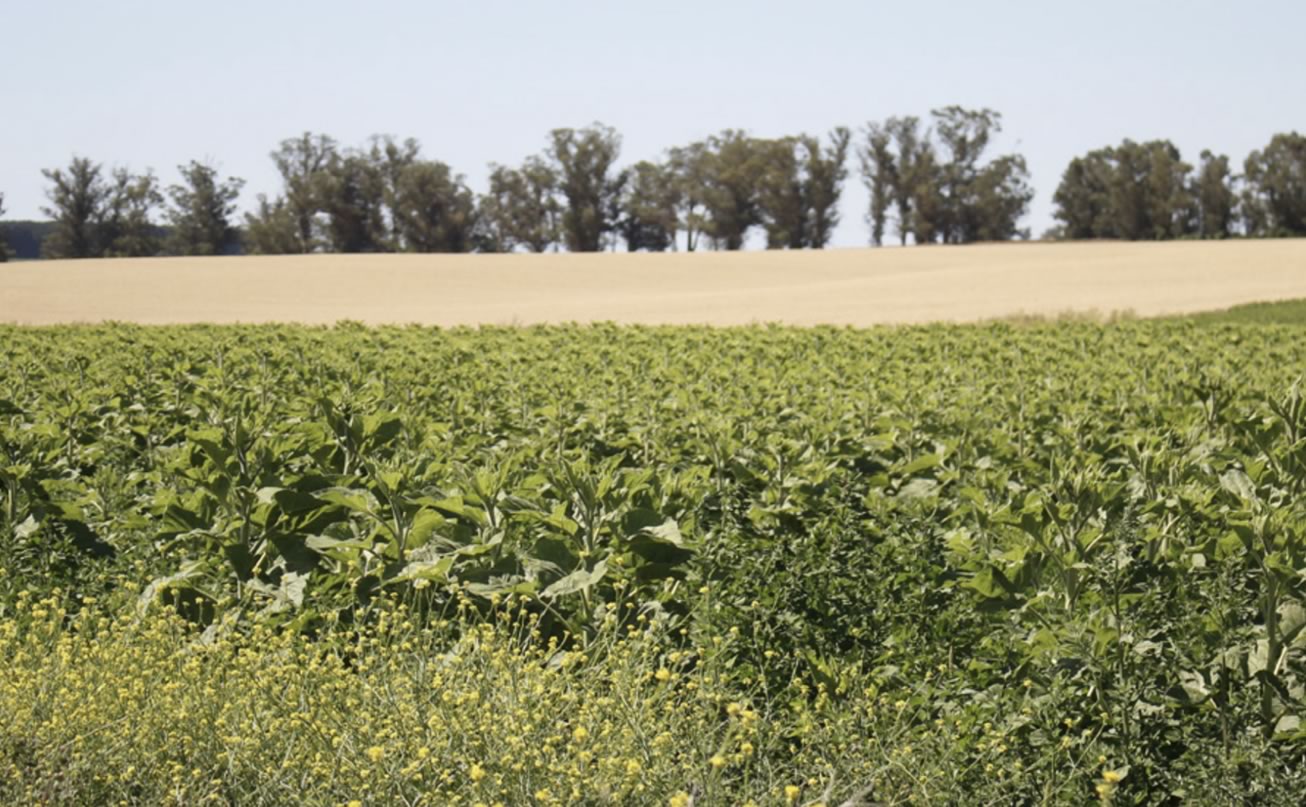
1281 312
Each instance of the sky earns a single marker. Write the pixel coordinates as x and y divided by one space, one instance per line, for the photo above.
155 84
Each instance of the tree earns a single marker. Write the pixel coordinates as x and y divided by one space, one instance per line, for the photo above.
126 226
301 161
77 199
964 135
272 229
1082 198
1216 201
521 208
350 191
201 211
688 167
1274 199
650 205
96 217
879 173
826 169
1134 191
780 198
4 235
730 171
798 186
583 160
434 210
914 177
899 169
978 202
924 206
1000 198
390 159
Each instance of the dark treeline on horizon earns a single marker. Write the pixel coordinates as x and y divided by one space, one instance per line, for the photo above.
930 181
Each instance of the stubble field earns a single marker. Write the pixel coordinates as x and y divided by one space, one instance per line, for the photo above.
845 286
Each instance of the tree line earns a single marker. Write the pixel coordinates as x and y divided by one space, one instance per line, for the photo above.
929 181
1145 191
388 196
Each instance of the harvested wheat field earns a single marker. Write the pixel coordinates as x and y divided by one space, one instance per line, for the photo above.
843 286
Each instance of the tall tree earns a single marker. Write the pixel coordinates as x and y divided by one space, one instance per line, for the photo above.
925 208
521 208
585 162
350 191
434 209
964 135
1215 197
879 173
1133 191
271 229
301 161
1274 198
126 225
826 169
730 171
201 211
688 166
650 205
1082 198
914 177
1000 197
389 158
780 193
77 197
798 184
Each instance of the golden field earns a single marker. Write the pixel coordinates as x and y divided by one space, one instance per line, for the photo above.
839 286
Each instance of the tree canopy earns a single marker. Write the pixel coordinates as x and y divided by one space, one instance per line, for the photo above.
929 180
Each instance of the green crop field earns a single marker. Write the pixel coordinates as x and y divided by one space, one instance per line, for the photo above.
1048 563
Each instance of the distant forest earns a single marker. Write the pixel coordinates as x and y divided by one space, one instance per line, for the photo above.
930 181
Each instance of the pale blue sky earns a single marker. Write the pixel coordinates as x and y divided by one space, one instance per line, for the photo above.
153 84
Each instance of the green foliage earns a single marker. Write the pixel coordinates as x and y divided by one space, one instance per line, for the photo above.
1274 199
201 211
584 162
1217 204
350 192
1144 191
521 208
729 166
798 188
956 200
878 168
76 199
989 555
432 208
650 203
1286 312
98 217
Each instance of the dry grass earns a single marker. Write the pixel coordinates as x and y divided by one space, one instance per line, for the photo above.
846 286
